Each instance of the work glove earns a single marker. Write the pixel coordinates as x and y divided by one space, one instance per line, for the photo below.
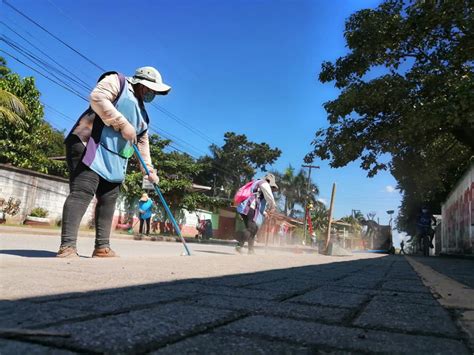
152 177
129 133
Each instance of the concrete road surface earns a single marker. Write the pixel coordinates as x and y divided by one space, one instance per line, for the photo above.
152 300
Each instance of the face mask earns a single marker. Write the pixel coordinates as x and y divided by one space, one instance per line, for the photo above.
148 97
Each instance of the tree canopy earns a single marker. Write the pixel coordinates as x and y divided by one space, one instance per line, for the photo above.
407 92
31 143
177 172
294 192
235 163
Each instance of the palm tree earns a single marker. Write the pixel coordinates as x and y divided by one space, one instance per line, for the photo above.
355 223
294 190
12 110
320 216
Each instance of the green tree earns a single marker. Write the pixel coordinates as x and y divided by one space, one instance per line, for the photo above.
176 171
4 70
235 163
294 192
12 110
319 217
407 92
27 145
354 222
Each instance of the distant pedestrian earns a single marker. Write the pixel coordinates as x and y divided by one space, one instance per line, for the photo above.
402 245
253 210
144 208
98 148
155 221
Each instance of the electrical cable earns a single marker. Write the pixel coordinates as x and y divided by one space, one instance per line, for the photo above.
39 62
53 35
162 109
43 75
45 54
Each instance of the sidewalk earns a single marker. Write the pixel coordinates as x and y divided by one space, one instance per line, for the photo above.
34 230
451 280
153 301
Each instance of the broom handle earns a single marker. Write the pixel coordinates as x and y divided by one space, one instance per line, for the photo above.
162 199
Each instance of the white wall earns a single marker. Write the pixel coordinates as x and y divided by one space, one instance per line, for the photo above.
36 190
457 229
191 218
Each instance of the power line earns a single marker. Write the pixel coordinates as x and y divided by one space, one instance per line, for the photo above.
52 35
39 62
176 139
25 52
43 75
183 123
67 87
85 85
70 119
36 39
83 28
160 108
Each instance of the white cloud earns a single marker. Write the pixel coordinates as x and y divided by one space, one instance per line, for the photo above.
323 200
389 189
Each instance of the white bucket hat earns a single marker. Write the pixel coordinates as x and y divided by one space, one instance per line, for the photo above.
271 180
151 78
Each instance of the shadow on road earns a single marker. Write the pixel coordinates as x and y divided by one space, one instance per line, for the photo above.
29 253
363 306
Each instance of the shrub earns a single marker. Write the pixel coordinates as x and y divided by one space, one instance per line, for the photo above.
38 212
12 207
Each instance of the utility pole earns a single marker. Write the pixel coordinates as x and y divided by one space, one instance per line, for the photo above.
214 189
333 195
307 191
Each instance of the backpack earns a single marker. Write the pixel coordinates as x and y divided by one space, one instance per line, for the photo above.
244 192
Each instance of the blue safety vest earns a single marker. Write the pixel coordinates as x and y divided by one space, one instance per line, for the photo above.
105 148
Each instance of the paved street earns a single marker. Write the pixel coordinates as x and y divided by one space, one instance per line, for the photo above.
152 300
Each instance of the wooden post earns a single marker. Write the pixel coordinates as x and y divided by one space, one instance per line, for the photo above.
331 206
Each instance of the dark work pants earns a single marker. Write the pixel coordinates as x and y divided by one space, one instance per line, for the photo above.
147 220
83 185
250 230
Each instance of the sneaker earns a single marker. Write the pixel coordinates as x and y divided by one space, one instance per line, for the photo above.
103 253
238 249
67 252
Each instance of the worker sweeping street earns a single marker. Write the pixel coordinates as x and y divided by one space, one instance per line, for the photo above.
98 148
257 199
145 206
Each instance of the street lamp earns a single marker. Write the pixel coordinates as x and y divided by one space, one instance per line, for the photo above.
390 212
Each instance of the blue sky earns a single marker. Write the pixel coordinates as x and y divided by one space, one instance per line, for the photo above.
248 66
